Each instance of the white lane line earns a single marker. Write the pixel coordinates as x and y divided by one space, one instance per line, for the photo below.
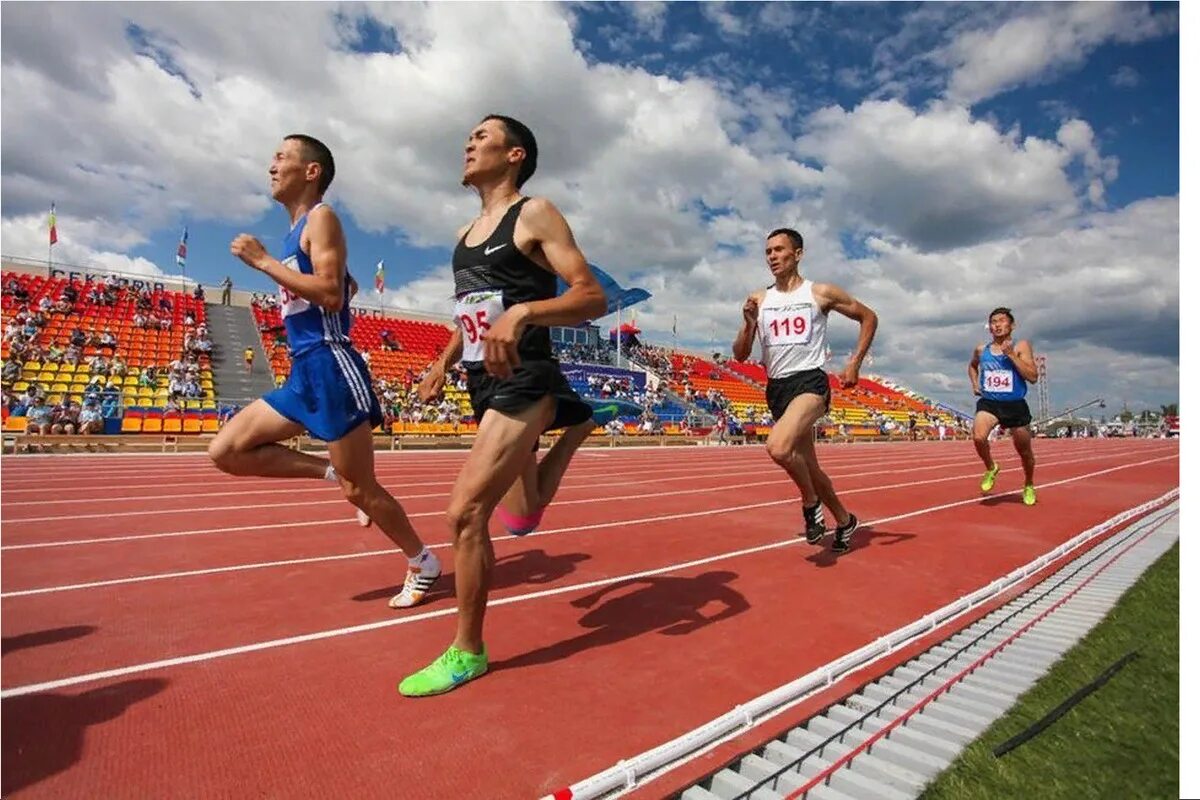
1004 460
17 691
574 528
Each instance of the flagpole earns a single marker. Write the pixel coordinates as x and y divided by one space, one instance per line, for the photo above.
618 334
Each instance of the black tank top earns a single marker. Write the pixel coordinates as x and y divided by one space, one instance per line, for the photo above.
498 265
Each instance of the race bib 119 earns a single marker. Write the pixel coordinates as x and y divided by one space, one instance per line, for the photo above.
791 324
474 314
998 380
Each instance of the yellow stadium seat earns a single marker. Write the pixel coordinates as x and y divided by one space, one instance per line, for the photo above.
15 424
172 425
210 425
131 425
191 425
152 425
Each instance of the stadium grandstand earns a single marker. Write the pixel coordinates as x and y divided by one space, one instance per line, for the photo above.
88 351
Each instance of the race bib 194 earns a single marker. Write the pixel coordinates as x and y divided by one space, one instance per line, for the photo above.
475 313
998 380
290 303
790 324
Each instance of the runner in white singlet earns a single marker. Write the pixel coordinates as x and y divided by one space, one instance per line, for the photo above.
789 318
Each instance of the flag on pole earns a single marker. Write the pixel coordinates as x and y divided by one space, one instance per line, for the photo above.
53 226
181 253
379 276
674 324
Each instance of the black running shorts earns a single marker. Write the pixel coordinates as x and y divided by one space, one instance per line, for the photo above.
530 382
1011 413
782 391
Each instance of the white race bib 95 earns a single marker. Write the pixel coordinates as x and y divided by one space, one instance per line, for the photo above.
474 313
998 380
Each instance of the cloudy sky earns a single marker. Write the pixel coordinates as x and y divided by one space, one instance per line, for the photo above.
940 159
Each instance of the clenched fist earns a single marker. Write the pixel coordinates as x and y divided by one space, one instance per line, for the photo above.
750 311
249 249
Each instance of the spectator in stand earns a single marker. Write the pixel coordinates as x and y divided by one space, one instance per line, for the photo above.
91 420
40 416
198 293
65 418
227 291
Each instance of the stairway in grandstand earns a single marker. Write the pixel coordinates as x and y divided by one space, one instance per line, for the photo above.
232 329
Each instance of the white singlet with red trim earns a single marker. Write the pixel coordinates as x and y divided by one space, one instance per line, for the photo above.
791 330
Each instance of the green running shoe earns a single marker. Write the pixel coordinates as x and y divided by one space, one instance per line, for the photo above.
452 669
989 478
1029 496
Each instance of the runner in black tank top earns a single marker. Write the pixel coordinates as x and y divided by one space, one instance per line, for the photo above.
490 278
497 263
505 301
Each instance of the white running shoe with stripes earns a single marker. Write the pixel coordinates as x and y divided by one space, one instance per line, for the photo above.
418 582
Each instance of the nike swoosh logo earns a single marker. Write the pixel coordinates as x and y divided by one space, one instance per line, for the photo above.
458 677
487 251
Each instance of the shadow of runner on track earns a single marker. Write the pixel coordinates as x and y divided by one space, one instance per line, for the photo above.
515 569
44 733
667 605
21 641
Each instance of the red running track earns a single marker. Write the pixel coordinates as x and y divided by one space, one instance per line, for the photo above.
180 633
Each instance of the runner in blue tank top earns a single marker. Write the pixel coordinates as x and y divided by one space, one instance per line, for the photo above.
328 392
1000 372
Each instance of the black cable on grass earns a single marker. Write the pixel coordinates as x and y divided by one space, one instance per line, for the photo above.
1065 706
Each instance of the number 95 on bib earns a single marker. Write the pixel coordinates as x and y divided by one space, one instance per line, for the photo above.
475 313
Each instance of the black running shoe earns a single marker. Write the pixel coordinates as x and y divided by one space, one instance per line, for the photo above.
842 534
814 524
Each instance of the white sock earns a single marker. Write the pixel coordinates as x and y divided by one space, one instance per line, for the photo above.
330 474
420 557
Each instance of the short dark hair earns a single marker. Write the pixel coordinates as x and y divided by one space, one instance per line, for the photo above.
794 236
315 150
517 134
1002 310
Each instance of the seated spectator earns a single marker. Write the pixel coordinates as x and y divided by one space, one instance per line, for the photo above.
110 399
198 293
11 371
65 418
40 416
91 419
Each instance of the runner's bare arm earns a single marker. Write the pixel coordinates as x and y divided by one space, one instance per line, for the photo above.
744 343
584 298
326 250
1022 358
839 300
541 225
431 385
973 369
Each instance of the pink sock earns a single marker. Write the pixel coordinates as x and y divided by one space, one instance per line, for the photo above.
518 525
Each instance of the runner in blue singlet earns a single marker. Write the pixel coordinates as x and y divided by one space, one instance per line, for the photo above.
328 392
1000 372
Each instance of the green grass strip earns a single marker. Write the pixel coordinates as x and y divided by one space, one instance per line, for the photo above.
1121 741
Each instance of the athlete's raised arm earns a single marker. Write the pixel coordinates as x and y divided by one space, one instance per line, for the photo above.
326 249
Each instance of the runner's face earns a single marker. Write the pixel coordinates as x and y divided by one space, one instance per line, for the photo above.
782 255
486 153
288 171
1000 327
